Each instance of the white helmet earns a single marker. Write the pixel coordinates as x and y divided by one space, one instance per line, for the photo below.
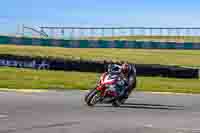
114 68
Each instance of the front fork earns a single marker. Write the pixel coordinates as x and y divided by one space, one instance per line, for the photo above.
99 96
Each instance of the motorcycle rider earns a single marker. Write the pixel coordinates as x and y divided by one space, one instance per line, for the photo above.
127 75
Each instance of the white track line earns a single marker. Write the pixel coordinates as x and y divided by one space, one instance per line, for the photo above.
3 116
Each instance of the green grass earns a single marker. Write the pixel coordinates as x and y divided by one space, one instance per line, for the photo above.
141 56
32 79
150 38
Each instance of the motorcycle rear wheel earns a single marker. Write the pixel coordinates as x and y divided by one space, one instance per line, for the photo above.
116 103
122 101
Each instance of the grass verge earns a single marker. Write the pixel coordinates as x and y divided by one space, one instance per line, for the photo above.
34 79
140 56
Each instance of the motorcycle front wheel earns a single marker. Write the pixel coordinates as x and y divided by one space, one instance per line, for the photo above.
86 96
92 98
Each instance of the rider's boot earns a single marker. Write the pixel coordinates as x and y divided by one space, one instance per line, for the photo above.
125 95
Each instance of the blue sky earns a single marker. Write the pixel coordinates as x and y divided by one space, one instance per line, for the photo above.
100 13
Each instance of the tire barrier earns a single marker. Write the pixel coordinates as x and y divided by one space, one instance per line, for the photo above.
50 63
96 43
167 71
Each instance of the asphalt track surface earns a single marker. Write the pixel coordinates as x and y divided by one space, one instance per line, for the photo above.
65 112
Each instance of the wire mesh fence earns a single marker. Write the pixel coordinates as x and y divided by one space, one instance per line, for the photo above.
125 33
163 34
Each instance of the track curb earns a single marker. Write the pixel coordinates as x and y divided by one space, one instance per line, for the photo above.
158 93
43 90
23 90
169 93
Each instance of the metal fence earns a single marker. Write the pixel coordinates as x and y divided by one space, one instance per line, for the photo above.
190 34
122 31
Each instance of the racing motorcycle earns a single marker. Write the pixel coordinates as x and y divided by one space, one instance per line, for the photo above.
105 91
